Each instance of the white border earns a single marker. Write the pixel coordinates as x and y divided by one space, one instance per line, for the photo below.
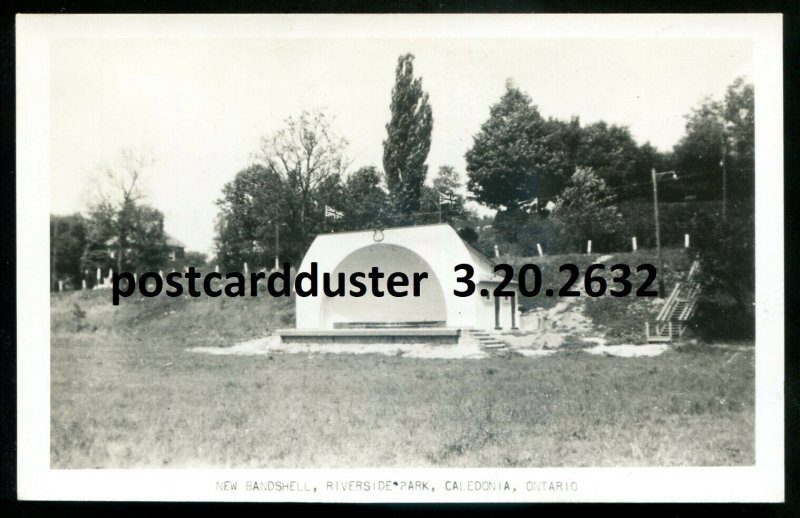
764 482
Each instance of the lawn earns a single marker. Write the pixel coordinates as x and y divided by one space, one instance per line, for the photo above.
126 393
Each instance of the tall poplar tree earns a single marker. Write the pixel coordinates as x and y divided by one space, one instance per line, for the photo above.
409 139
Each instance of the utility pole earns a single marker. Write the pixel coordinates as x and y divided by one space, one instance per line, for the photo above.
277 236
658 227
658 235
724 176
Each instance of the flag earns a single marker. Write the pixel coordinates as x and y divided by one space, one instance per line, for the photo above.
446 198
332 213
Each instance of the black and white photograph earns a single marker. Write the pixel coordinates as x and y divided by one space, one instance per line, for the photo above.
400 258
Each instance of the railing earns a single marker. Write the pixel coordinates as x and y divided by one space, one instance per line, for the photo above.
670 303
671 325
693 269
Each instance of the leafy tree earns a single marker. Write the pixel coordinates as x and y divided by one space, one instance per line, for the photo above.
119 224
518 155
726 251
68 239
510 233
739 114
408 139
612 153
586 210
365 199
309 158
716 131
145 246
147 241
250 207
193 258
298 172
699 152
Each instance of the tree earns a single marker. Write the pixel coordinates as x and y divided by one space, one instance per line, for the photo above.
739 115
448 183
147 240
193 258
309 158
68 239
720 133
612 153
118 220
726 251
586 210
252 204
408 139
518 155
365 199
699 153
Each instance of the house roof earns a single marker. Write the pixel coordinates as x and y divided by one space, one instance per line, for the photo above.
169 239
172 241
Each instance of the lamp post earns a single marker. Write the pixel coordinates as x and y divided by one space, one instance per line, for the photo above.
724 177
655 177
727 126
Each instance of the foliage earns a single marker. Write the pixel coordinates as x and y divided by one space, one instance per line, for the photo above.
252 204
726 251
612 153
719 132
586 210
469 235
120 225
517 154
676 218
447 182
365 200
68 239
309 158
408 138
147 241
193 258
298 172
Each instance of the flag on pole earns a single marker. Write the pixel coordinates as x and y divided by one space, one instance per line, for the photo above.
446 198
332 213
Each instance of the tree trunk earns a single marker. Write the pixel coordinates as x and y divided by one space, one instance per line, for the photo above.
120 250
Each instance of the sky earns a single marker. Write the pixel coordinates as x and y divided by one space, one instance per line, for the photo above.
198 107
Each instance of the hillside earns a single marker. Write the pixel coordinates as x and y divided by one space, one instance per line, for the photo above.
223 321
616 319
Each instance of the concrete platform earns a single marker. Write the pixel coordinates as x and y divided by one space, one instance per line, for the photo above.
438 335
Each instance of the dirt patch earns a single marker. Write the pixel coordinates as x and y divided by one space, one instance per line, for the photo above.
465 348
629 350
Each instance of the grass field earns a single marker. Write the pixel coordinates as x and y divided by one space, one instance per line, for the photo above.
126 393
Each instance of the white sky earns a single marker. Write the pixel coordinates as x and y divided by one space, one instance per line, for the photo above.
199 106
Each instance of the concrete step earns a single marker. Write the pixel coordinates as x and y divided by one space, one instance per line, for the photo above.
495 346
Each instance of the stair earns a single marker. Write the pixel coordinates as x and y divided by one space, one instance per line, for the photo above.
488 340
671 321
